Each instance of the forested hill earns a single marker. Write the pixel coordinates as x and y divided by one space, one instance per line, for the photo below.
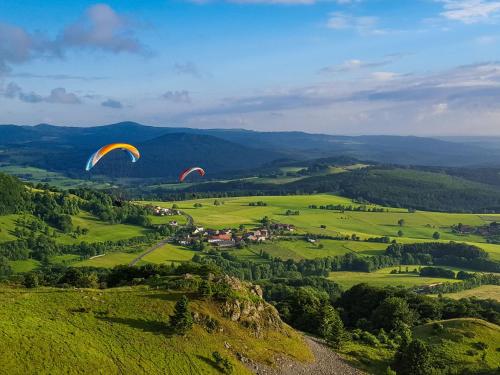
65 149
391 186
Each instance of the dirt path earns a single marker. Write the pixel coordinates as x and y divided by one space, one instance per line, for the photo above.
327 363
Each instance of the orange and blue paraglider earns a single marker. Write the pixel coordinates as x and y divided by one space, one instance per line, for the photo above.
95 157
184 174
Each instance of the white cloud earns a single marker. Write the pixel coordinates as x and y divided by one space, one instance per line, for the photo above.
57 95
384 76
362 24
470 11
102 28
356 64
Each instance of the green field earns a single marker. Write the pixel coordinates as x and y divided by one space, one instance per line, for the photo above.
383 277
301 249
37 175
157 220
483 292
170 253
107 260
20 266
166 254
418 226
121 331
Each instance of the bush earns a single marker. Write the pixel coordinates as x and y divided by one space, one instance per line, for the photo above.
369 339
223 363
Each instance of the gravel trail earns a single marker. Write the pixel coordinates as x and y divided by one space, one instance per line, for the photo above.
327 362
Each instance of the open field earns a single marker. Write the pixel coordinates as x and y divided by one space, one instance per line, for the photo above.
169 254
119 331
166 254
300 249
419 226
108 260
157 220
20 266
483 292
383 277
37 175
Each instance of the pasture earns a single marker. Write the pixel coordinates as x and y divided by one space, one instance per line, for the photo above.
383 277
418 226
483 292
298 249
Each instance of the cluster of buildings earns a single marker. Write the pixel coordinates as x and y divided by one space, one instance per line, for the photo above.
224 238
160 211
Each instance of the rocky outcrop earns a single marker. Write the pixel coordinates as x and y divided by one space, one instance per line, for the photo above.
249 308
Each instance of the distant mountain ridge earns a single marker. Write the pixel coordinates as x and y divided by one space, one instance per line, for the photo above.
166 150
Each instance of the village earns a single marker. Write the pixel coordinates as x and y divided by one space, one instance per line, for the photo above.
223 238
231 237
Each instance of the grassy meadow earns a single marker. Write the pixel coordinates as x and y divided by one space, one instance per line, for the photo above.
483 292
122 330
419 226
383 277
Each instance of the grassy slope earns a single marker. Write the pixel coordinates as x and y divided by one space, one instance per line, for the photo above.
453 343
123 331
98 230
450 346
383 277
36 175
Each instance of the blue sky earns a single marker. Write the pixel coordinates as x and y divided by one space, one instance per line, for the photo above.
424 67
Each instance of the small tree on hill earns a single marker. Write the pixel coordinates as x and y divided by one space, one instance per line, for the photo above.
436 235
332 327
401 222
182 320
392 313
414 359
205 289
400 233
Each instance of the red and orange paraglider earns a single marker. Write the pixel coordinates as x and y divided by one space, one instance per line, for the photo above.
188 171
95 157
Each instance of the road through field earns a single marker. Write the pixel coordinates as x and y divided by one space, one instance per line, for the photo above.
150 250
161 243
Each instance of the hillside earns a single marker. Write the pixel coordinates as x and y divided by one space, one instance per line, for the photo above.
385 185
456 343
65 149
126 330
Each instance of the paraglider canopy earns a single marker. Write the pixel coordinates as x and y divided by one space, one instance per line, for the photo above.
188 171
95 157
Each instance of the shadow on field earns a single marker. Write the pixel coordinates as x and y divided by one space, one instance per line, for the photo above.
208 361
159 328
